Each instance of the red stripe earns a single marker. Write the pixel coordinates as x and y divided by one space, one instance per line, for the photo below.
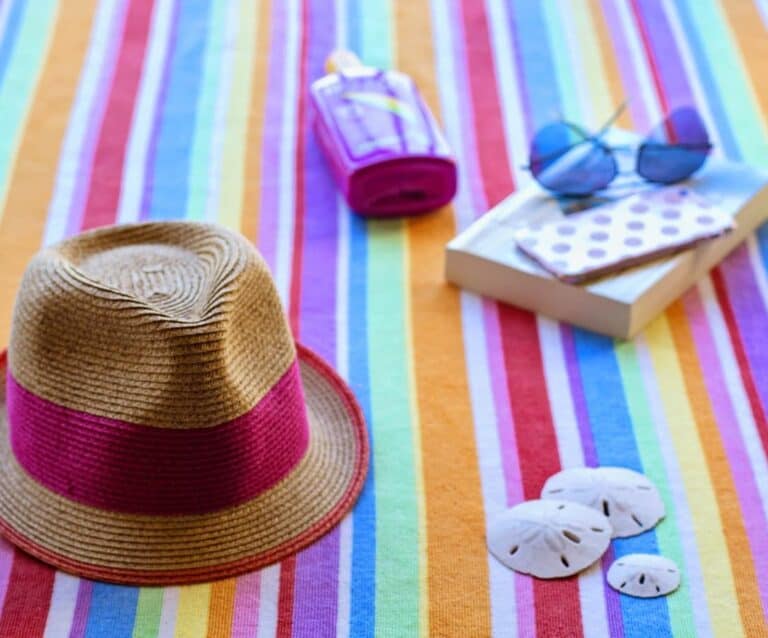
285 598
25 610
299 159
652 61
558 608
104 188
741 357
489 126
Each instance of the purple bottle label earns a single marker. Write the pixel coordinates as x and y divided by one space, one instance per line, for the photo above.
379 116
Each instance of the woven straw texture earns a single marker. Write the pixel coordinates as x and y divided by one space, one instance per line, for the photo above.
115 111
169 324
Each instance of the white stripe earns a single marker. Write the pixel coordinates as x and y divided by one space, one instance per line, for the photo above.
128 209
168 613
732 377
685 526
62 609
268 601
228 56
287 173
512 113
638 59
594 614
5 10
345 577
342 287
83 118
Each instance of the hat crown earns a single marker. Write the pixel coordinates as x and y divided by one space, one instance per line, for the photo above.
172 325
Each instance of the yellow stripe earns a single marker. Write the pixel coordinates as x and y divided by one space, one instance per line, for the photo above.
710 541
233 170
192 613
251 191
31 187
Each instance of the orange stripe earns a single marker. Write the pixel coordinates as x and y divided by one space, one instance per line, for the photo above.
249 225
32 180
456 555
732 521
608 59
221 608
748 27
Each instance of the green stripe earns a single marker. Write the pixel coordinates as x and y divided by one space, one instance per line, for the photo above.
730 75
24 69
668 535
397 541
199 165
148 610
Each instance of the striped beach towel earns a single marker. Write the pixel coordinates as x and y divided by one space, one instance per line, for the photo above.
114 111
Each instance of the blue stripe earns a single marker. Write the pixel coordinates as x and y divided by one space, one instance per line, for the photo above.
10 35
528 32
167 190
363 580
615 444
112 611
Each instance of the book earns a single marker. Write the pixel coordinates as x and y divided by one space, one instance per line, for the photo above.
485 258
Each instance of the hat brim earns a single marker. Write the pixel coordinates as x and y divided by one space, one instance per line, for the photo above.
164 550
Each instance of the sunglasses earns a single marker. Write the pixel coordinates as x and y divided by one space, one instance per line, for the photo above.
568 160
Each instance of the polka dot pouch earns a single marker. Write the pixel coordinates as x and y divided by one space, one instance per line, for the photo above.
625 233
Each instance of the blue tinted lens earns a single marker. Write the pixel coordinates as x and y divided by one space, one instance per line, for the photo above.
675 149
565 161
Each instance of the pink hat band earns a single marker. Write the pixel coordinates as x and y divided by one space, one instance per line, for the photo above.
137 469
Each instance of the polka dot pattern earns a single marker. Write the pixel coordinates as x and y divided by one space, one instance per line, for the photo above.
635 229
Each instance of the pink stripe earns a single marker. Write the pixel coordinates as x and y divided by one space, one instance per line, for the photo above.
741 469
6 562
245 620
132 468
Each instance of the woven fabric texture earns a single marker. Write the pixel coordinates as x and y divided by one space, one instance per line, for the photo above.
124 110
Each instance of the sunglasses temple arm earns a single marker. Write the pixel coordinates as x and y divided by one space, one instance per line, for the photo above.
615 116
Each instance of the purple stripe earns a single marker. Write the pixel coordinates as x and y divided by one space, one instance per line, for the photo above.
107 64
245 617
82 605
6 563
666 54
317 568
751 317
752 507
274 109
149 161
612 600
628 72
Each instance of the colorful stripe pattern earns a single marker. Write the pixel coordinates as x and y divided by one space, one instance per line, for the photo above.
123 110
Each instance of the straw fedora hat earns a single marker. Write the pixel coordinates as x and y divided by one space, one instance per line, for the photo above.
159 425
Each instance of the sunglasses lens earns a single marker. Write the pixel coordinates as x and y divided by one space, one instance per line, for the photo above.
565 161
675 149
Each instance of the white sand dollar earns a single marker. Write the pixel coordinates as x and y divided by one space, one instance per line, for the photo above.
644 575
549 539
629 500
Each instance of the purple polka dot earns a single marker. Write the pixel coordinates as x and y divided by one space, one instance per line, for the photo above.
633 241
704 219
702 203
559 264
561 248
528 241
635 225
599 236
601 219
565 230
596 253
669 230
672 198
670 213
639 208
